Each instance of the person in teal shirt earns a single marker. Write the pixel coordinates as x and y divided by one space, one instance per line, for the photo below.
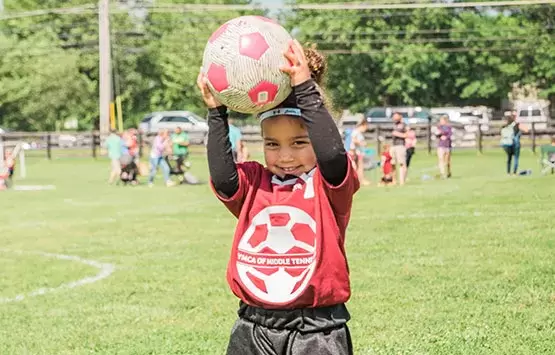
113 145
180 141
235 137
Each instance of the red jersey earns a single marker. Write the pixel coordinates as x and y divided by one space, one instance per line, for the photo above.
288 249
387 166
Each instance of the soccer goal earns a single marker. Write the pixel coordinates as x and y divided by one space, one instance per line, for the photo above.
13 151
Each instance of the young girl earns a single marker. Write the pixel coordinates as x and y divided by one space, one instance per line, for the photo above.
387 166
288 265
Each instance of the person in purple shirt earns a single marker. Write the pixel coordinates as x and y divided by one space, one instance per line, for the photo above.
160 148
444 134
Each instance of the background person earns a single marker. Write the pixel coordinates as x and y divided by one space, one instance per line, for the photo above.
444 145
398 149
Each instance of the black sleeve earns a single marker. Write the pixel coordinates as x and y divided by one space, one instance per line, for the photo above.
323 133
223 171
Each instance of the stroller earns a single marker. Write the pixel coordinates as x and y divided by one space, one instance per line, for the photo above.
371 160
129 170
179 166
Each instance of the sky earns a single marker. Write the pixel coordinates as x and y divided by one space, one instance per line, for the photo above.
271 2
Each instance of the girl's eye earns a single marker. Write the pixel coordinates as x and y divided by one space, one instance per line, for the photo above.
300 143
271 144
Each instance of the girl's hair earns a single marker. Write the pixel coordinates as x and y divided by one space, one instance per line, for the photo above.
386 146
318 67
317 63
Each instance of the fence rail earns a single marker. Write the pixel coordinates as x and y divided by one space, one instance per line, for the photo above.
464 137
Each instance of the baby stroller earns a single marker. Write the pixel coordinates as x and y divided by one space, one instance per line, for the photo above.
129 170
179 166
371 159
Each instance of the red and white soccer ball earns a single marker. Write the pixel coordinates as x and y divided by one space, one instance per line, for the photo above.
242 60
277 254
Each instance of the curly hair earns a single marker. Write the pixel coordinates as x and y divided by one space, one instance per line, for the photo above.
317 63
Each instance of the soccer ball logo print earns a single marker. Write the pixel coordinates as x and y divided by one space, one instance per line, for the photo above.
276 256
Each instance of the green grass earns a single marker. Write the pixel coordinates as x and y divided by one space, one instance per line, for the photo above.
463 266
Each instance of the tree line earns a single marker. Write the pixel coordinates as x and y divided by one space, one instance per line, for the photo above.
425 57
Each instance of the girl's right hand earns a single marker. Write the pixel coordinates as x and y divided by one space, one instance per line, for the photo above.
207 97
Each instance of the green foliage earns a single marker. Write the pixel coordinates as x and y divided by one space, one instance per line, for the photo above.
427 57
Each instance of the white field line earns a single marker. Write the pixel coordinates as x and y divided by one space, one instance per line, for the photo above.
105 270
432 216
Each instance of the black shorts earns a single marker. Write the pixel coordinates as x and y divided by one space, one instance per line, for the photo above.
307 331
387 179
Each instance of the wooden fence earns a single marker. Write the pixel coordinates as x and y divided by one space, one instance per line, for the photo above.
47 144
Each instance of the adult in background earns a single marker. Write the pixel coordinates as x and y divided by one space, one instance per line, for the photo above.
510 141
161 146
398 150
236 140
356 149
444 145
180 142
114 147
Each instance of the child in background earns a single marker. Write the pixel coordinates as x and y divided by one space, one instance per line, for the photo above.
387 166
410 144
292 300
6 173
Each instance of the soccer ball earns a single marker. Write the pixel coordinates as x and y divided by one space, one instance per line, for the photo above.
241 62
276 255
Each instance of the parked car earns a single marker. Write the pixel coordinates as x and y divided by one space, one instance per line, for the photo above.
533 112
193 124
411 115
469 116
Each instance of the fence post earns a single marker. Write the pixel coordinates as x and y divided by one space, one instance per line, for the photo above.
533 134
378 143
49 146
480 142
93 144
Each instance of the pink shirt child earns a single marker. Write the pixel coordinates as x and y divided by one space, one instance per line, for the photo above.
410 140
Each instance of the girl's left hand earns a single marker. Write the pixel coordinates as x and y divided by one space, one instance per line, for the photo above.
298 69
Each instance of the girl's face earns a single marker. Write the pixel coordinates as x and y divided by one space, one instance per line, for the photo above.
287 148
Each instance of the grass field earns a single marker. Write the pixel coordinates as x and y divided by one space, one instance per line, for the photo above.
463 266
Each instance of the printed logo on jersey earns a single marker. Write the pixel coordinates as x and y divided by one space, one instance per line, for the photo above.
276 256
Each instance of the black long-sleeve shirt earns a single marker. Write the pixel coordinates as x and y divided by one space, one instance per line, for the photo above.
322 131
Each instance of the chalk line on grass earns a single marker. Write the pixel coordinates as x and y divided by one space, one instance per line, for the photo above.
34 187
431 216
105 270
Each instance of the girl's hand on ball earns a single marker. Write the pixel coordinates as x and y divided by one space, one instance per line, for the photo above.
209 99
298 69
